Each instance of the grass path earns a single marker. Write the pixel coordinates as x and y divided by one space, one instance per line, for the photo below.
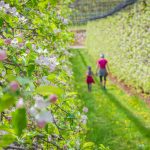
115 119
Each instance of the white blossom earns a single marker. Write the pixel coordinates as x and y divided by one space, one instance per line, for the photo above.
44 80
2 132
33 111
51 62
45 116
57 31
65 21
85 109
84 119
2 3
6 6
40 102
3 73
33 46
14 41
20 103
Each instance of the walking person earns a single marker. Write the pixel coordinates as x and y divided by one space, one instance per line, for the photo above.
89 79
102 66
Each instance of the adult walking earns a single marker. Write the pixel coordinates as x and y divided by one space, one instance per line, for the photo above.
102 66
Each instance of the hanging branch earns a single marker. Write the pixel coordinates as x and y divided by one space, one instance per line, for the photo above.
61 109
14 147
53 143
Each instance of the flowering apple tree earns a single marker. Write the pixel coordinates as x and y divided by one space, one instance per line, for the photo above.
38 105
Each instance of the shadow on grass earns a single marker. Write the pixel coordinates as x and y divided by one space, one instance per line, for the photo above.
138 123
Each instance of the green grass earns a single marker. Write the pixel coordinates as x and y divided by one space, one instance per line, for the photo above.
115 119
78 27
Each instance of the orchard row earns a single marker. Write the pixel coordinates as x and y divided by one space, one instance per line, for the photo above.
124 38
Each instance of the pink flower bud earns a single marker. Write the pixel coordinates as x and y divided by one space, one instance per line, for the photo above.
27 51
3 55
41 124
9 118
65 147
14 86
20 103
85 109
21 45
53 98
7 41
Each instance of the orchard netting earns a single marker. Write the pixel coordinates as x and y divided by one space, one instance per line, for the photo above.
87 10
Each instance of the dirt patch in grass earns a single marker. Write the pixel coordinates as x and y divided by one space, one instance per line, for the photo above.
130 89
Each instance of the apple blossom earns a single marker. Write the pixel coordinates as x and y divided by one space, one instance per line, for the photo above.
27 51
84 119
33 111
7 41
48 61
13 10
34 47
21 45
3 55
44 81
14 86
65 147
14 41
40 102
85 109
49 138
20 103
56 31
65 21
53 98
2 132
7 6
2 3
44 116
41 124
3 73
43 48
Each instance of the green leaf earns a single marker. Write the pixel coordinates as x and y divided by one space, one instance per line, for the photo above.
29 45
51 77
102 147
71 116
1 42
10 77
7 129
1 22
88 146
19 120
6 140
34 2
6 101
23 81
32 56
54 2
52 129
47 90
42 4
30 69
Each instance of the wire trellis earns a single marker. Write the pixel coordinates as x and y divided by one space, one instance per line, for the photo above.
87 10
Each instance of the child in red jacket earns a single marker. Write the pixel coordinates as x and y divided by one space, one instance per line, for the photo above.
89 79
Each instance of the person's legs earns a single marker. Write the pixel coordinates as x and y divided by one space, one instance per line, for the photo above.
101 80
104 82
89 87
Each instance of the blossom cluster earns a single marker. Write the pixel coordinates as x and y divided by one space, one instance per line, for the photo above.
39 111
5 7
51 62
